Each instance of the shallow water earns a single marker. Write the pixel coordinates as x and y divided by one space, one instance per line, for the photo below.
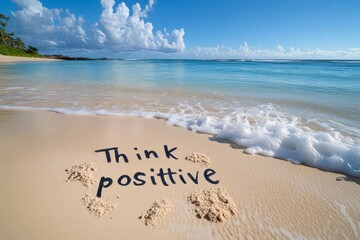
303 111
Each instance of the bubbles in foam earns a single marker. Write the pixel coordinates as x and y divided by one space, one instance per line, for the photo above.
260 130
264 131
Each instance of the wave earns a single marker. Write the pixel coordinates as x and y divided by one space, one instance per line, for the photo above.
275 60
260 130
345 61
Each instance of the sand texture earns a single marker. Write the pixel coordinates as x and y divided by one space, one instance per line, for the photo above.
83 173
13 59
198 158
157 212
97 206
214 205
274 199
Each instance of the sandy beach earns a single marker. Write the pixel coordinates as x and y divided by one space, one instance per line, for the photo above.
13 59
273 198
129 120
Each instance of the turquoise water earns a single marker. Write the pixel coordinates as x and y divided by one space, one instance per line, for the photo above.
302 111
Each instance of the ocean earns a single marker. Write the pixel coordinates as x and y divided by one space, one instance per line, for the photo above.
303 111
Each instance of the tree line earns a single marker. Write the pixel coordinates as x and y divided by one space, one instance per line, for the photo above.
10 40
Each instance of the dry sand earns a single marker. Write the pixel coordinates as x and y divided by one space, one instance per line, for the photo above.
13 59
97 206
214 205
157 212
198 158
275 199
83 173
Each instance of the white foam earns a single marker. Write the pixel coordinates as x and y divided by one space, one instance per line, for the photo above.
260 130
270 133
57 110
13 88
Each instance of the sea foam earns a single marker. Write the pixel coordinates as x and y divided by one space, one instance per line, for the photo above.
267 132
260 130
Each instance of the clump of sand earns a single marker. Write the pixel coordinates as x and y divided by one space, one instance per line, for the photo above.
97 206
157 211
83 173
198 158
214 205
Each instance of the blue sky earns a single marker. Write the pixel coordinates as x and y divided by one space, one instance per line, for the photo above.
306 24
194 29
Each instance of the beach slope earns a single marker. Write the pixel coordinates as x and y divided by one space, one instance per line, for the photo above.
272 198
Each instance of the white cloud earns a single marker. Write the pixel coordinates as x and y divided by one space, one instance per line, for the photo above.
125 31
43 27
245 51
119 28
131 32
280 49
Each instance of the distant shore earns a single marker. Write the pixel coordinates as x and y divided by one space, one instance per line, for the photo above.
12 59
67 58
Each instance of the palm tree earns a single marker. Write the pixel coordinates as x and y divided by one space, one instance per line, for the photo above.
19 44
3 36
9 39
3 21
32 50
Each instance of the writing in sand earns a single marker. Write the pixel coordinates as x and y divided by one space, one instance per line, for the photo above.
162 176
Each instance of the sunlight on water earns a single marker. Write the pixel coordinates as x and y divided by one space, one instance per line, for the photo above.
302 111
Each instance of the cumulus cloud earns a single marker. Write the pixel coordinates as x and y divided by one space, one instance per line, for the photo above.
128 31
118 28
125 31
41 26
245 51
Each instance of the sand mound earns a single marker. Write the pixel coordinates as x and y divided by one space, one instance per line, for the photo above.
83 173
158 211
198 158
214 204
97 206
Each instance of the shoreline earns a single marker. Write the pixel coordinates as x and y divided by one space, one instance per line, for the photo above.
14 59
275 199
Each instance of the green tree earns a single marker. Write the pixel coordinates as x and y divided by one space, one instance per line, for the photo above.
5 38
11 41
3 23
32 50
19 44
